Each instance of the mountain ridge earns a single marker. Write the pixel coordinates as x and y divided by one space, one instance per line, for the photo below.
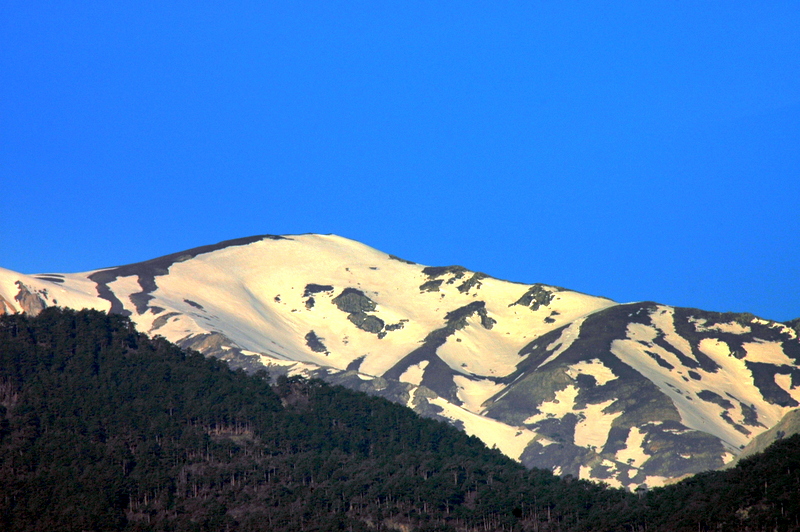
629 394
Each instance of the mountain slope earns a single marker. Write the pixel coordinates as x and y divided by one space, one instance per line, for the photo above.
627 394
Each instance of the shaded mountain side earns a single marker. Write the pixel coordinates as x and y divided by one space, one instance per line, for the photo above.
632 403
104 428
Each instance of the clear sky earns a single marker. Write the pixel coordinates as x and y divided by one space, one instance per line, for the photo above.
638 151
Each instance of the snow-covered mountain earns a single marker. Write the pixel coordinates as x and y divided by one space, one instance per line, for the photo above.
629 394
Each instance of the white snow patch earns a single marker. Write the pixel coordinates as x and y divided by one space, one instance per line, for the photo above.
640 332
593 428
466 350
785 382
714 347
655 481
123 287
601 373
511 441
727 458
632 453
563 403
544 442
567 338
768 352
473 393
411 396
413 375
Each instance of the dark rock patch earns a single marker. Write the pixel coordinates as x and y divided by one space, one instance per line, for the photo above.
597 333
617 437
357 304
667 451
192 303
535 353
438 376
438 271
366 322
457 319
431 286
314 343
791 346
472 282
564 453
162 320
352 300
687 329
535 297
561 430
727 417
586 381
764 379
711 397
661 341
659 360
310 303
312 289
219 346
31 301
355 364
750 415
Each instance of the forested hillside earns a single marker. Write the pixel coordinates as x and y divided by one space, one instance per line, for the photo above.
102 428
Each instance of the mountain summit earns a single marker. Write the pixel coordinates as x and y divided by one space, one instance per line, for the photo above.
628 394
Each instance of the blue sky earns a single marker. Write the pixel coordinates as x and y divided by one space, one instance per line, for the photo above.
639 150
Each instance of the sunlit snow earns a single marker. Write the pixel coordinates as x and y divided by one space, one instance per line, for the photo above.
632 453
563 403
413 375
592 430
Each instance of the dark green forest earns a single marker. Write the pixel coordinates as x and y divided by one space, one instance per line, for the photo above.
103 428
